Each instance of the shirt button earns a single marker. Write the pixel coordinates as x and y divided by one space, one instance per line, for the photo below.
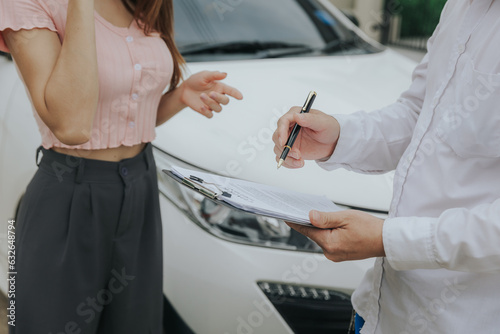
135 96
129 39
124 171
138 67
461 48
131 125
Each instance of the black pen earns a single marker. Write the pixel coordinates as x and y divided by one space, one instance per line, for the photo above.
295 131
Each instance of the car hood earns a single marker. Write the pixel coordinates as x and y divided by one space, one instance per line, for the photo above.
237 142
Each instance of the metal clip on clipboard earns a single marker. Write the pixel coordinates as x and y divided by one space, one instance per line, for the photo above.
196 184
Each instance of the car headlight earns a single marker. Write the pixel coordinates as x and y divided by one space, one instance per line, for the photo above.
224 222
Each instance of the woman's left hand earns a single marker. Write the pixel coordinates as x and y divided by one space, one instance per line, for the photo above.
204 93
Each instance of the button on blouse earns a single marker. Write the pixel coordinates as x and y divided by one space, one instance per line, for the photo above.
134 71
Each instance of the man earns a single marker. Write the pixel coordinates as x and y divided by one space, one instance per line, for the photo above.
438 265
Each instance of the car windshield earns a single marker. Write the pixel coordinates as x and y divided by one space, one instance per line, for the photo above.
244 29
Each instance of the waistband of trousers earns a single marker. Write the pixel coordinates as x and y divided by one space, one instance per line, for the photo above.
68 167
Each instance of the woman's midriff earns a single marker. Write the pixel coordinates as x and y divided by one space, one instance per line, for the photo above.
109 154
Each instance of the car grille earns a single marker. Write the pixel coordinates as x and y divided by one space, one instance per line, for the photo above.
309 309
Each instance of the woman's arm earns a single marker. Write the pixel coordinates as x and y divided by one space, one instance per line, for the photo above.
170 105
62 79
202 92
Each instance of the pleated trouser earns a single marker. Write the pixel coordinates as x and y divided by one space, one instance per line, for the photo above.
89 247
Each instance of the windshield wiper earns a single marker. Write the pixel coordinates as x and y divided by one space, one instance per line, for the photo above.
338 45
239 47
272 49
332 46
283 53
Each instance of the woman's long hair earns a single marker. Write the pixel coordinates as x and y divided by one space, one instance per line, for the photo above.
158 15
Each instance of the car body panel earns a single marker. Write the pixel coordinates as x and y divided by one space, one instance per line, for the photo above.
223 286
237 142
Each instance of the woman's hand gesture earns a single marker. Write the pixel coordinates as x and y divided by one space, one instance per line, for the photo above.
204 93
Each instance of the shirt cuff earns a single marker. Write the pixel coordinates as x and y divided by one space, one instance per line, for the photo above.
344 152
409 243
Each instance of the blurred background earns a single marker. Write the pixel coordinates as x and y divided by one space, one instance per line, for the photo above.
405 25
401 23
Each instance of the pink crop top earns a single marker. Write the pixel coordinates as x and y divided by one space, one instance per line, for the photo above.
134 70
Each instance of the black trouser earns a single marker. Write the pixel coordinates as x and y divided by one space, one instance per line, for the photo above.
89 252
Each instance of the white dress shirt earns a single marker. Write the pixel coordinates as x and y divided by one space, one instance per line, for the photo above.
442 237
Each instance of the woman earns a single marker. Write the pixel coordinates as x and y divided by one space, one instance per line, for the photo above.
89 230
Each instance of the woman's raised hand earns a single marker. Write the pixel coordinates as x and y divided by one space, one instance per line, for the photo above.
205 93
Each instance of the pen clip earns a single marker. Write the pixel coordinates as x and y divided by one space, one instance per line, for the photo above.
309 101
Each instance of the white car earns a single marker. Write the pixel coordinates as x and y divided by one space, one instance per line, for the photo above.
226 272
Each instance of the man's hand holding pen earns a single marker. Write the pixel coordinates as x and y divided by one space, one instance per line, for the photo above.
344 235
316 140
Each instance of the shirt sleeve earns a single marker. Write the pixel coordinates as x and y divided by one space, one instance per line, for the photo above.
373 142
23 14
459 239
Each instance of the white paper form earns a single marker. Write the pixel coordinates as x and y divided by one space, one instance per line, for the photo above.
260 198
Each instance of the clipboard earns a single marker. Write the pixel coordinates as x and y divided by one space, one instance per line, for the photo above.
196 184
213 196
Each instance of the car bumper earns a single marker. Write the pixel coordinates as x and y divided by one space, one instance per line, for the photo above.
212 283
